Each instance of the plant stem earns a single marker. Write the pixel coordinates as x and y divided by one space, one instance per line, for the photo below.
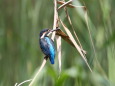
43 64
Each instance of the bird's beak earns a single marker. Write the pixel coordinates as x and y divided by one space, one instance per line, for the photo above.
54 30
51 31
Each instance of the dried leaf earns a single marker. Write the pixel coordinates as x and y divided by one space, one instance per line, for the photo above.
64 36
68 17
76 45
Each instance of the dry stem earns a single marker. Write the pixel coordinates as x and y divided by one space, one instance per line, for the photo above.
55 18
65 4
43 64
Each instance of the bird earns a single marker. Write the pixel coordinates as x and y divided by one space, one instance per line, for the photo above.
47 44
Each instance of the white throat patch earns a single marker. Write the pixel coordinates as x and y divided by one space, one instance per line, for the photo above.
43 35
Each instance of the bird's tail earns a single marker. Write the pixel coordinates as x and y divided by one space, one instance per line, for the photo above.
52 61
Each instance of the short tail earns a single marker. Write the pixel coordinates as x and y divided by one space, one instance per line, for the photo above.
52 61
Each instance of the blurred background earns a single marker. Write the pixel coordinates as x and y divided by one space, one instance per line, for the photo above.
21 57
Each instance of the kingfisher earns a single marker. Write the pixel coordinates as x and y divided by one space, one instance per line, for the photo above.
47 44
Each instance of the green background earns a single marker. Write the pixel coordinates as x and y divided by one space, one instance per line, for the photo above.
20 55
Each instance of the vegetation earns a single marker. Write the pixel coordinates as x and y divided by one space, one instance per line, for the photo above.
20 55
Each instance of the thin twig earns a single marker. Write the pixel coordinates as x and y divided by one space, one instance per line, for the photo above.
23 82
43 64
62 2
70 5
16 84
55 19
65 4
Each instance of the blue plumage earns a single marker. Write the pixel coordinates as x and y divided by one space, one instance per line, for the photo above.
47 45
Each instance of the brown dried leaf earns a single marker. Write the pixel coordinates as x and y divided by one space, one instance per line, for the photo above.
70 22
76 45
64 36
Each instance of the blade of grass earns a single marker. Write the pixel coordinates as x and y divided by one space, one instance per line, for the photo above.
90 36
86 19
76 45
84 11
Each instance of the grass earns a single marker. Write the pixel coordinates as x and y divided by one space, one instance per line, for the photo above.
20 55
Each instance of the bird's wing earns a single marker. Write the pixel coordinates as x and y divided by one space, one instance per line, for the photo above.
44 46
47 46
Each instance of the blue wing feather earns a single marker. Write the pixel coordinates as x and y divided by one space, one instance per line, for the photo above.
47 47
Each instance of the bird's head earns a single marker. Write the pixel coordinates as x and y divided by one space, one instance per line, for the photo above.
46 32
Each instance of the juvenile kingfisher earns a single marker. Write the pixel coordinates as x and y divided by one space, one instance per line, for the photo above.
47 44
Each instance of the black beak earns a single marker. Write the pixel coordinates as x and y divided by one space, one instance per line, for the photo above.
54 30
51 31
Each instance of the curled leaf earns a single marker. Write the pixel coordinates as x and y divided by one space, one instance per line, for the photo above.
59 32
76 45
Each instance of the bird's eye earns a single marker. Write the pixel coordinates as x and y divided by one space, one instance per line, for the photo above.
48 30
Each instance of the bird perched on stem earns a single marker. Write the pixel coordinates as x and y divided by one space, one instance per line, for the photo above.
47 44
